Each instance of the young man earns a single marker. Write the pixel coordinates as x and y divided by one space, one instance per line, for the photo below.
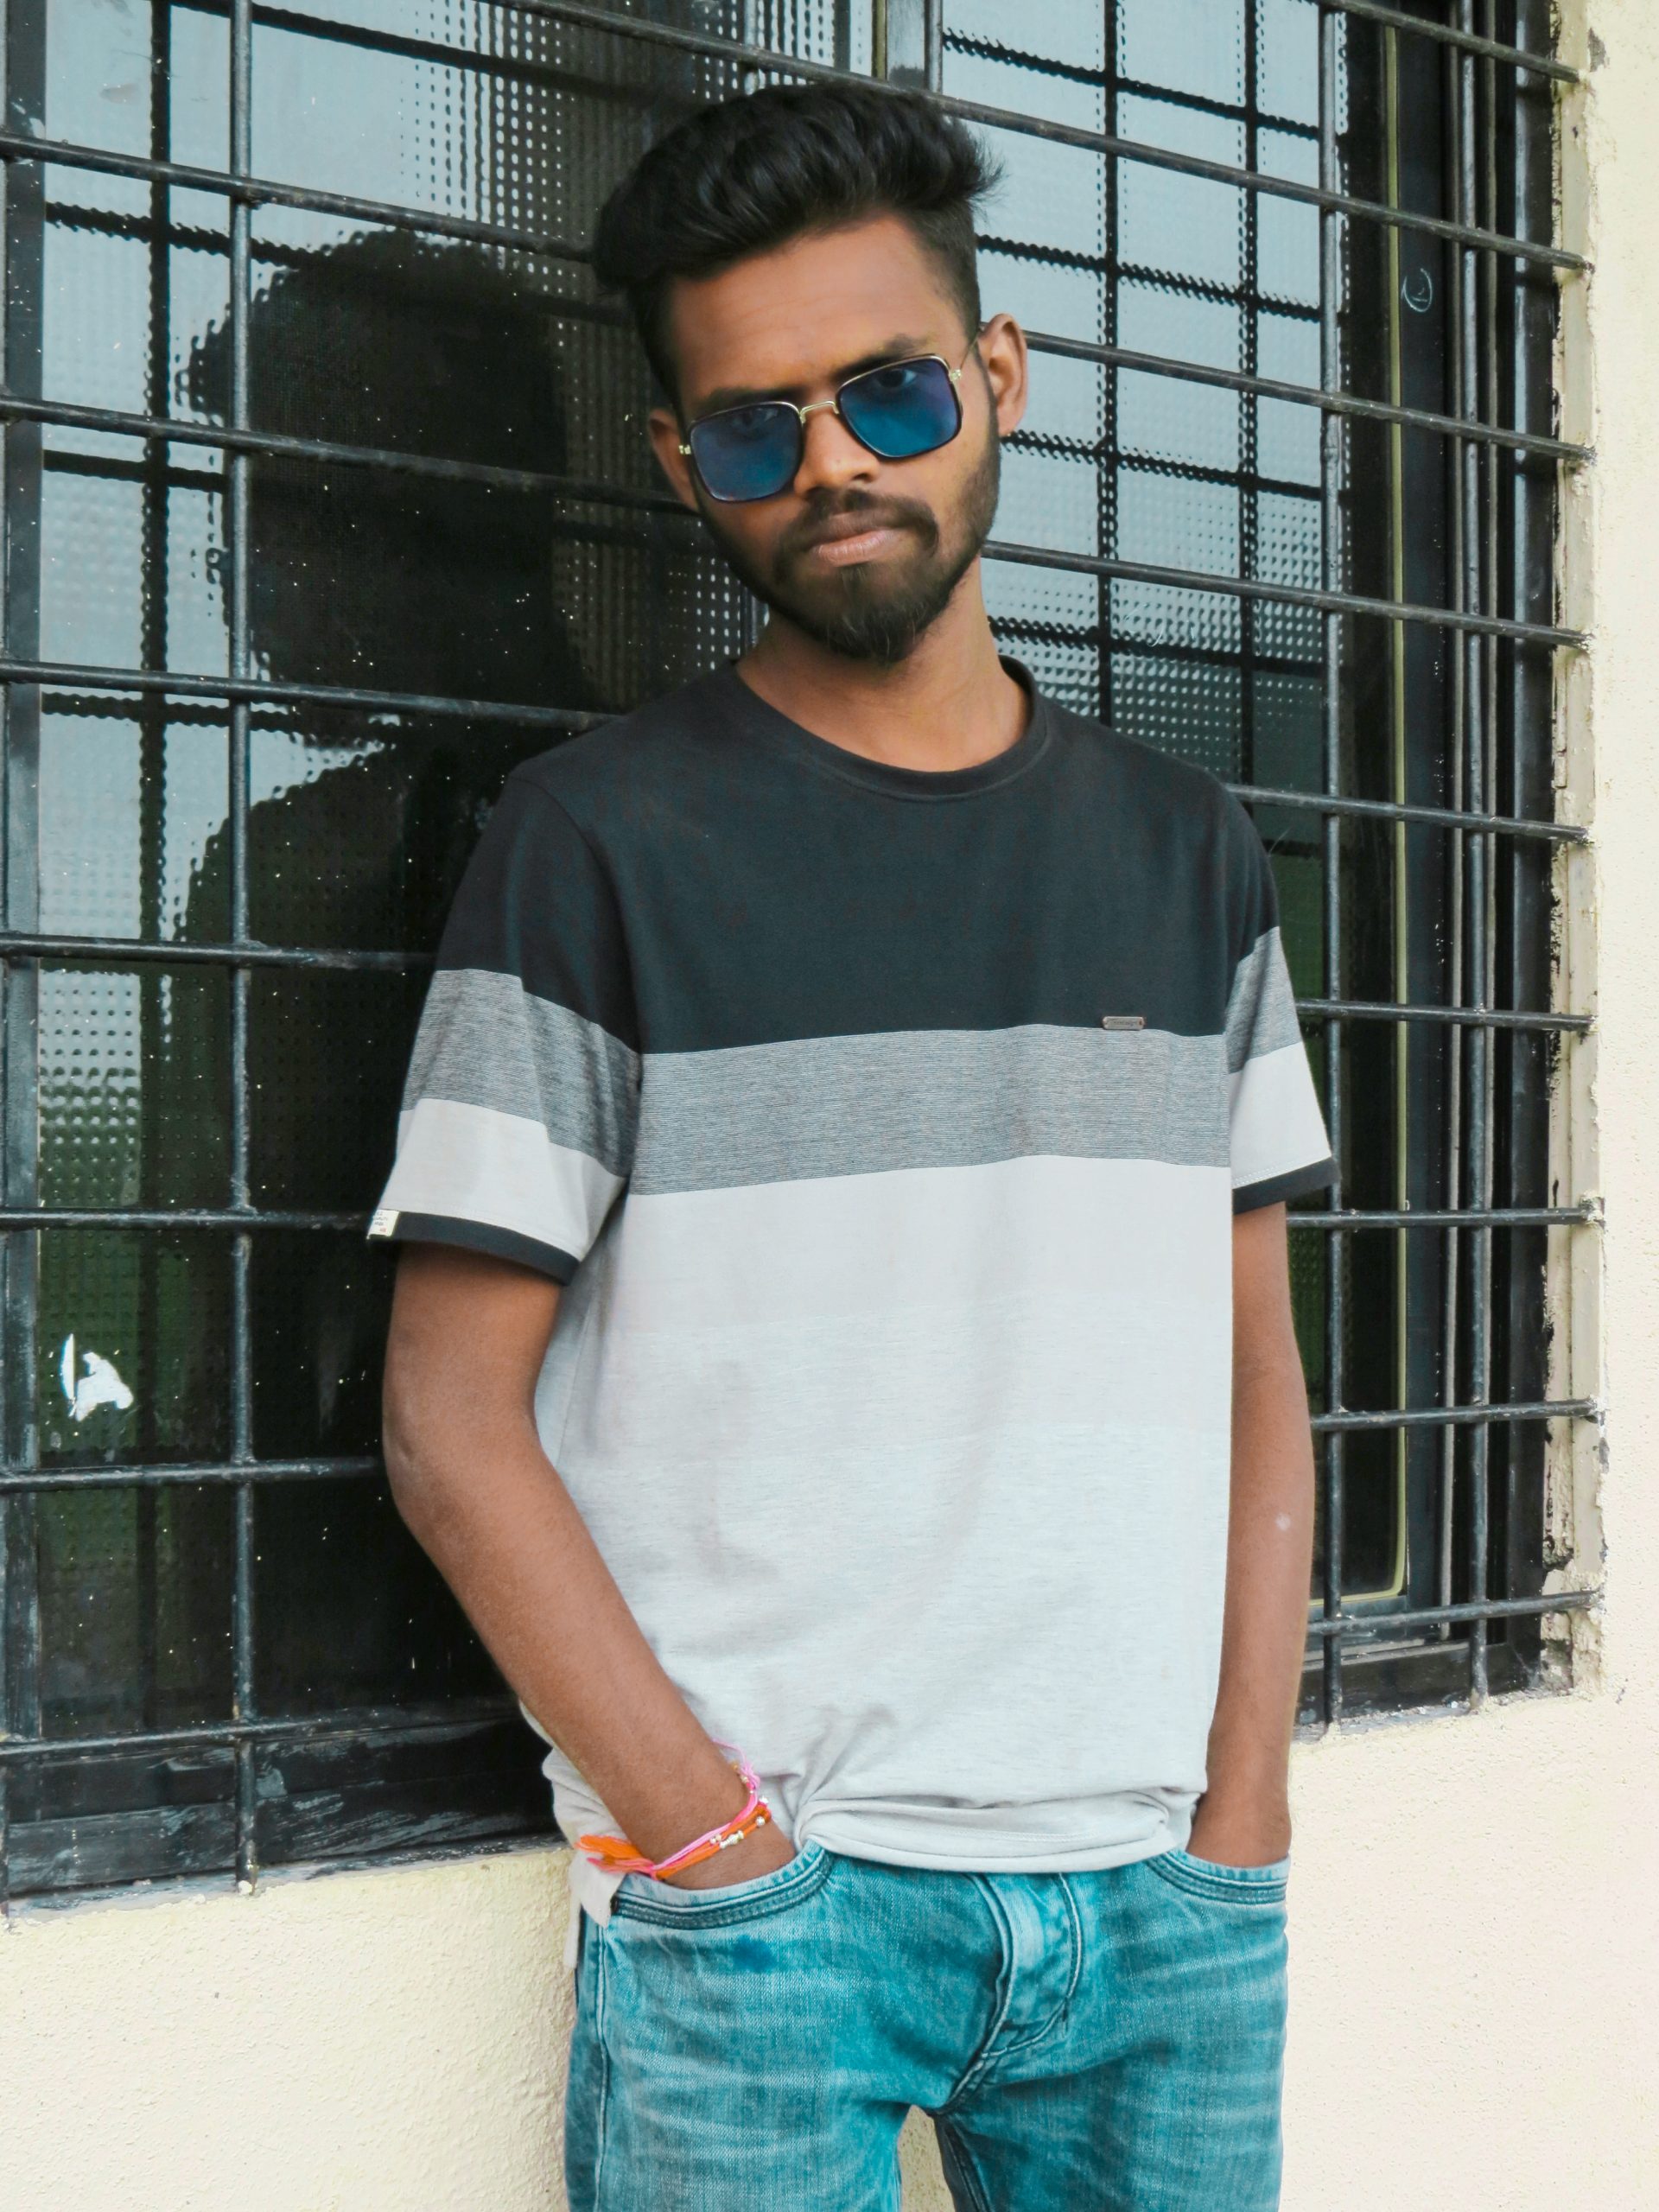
845 1325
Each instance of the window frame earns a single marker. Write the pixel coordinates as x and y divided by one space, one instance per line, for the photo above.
1506 1026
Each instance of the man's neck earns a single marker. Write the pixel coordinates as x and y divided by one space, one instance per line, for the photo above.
949 704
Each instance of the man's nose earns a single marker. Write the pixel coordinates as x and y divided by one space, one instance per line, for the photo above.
831 456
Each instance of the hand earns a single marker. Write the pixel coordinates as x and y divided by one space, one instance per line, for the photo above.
760 1852
1240 1835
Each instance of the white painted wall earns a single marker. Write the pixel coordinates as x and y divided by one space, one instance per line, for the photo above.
1474 1929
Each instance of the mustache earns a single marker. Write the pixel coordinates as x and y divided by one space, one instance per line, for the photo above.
823 508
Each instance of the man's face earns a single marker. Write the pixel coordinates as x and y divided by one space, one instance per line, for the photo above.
860 554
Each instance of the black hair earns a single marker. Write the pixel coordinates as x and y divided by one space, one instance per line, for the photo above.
750 173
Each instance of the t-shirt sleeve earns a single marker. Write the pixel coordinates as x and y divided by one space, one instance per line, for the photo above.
518 1112
1279 1145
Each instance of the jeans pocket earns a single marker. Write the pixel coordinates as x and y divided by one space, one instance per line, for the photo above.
639 1897
1207 1878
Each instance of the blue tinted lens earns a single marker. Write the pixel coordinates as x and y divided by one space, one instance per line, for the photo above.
746 453
903 409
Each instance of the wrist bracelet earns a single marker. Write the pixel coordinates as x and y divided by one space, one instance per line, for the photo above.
616 1855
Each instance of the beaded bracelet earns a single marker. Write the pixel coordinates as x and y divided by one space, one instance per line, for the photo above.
616 1855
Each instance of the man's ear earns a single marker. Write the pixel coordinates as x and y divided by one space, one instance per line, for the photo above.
665 427
1002 349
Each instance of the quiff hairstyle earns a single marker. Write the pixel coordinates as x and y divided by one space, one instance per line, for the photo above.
749 175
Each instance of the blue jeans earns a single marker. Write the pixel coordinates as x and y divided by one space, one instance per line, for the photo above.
1108 2042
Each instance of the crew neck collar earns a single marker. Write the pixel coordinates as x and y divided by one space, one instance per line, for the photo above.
753 714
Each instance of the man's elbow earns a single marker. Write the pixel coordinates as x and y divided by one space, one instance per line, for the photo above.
411 1442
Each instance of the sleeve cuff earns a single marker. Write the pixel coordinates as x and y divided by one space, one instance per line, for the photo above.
1317 1175
391 1226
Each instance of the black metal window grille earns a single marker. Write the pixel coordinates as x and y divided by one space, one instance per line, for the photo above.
325 501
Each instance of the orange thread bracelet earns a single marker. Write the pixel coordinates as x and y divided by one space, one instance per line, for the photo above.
616 1855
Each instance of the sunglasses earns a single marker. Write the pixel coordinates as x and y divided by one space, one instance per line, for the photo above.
896 411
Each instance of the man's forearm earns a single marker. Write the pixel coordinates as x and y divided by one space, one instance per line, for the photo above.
477 1492
1243 1815
502 1530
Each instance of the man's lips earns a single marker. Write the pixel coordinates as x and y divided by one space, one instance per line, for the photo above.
854 537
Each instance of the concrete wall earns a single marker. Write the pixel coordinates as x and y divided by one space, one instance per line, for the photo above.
1474 1930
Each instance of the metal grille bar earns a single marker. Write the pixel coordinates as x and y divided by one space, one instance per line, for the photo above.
36 944
1480 1417
244 1702
1347 404
1252 588
241 1218
139 1475
1321 802
1497 1609
241 1735
175 431
242 689
1541 65
21 197
1467 41
246 1217
263 192
142 1475
72 675
376 1722
1333 1468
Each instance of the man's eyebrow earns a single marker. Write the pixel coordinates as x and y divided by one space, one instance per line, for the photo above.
737 394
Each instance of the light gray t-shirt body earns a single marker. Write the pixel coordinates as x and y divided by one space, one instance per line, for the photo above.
887 1129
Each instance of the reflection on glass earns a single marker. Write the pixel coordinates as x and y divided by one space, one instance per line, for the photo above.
435 589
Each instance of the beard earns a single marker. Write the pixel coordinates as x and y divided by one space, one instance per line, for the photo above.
873 610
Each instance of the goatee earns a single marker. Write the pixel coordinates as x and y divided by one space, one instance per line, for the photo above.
866 612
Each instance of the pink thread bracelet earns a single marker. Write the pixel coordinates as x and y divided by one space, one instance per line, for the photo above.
616 1855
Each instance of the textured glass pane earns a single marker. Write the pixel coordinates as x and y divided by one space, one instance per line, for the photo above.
1185 45
1051 499
1182 225
134 1608
1288 59
133 1087
128 810
1288 436
132 1360
96 299
1174 522
1187 707
1165 417
387 813
320 1299
1044 295
1287 551
326 1056
334 1635
1034 595
1071 32
1287 231
1288 734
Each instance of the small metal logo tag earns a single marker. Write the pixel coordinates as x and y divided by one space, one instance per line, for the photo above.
1122 1020
383 1222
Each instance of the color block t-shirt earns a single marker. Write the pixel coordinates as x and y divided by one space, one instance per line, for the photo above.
887 1129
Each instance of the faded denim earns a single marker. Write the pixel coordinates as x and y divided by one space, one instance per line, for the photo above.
1105 2042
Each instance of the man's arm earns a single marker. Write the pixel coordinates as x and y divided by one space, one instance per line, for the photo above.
1243 1817
469 1476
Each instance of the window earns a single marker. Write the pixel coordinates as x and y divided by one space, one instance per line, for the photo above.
326 500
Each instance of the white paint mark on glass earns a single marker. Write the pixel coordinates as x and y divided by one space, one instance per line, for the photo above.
95 1382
